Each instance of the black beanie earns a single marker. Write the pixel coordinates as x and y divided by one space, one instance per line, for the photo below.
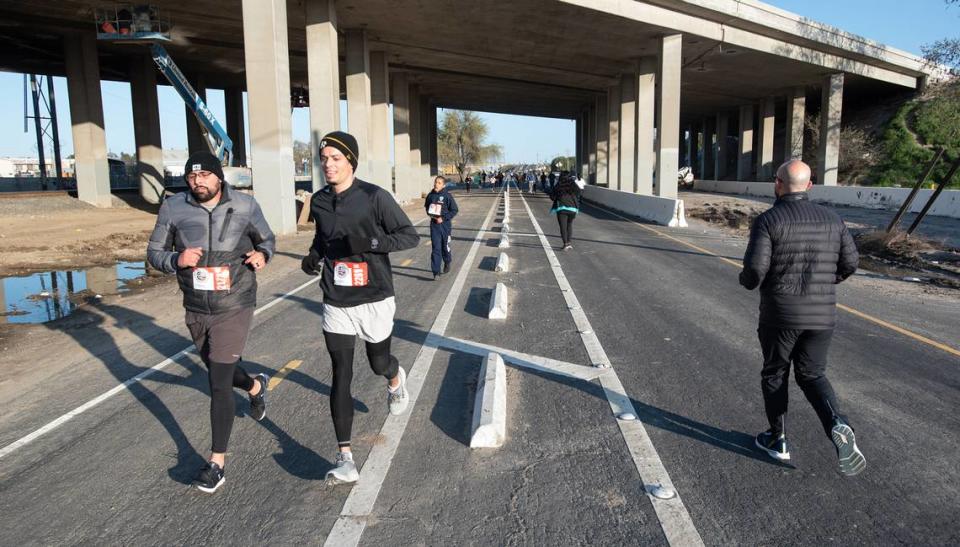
343 142
203 161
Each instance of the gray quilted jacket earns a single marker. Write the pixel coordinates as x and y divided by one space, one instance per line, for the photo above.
233 228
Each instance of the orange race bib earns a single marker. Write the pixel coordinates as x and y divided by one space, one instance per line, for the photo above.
216 278
350 274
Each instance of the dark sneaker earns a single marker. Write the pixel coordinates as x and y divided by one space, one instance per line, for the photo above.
210 478
851 460
775 447
258 402
446 268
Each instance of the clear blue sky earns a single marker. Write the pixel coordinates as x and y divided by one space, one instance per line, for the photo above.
904 24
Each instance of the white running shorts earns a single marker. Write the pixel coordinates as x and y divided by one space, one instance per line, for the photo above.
371 322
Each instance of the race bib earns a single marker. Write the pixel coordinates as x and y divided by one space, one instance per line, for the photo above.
434 209
350 274
211 278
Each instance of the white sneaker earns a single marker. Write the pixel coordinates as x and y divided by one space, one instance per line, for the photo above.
345 470
397 400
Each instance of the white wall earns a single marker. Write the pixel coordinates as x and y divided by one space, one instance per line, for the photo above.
947 205
664 211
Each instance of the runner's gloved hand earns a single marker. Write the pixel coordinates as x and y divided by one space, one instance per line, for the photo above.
358 245
311 263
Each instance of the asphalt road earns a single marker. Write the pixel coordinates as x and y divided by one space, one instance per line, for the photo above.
678 329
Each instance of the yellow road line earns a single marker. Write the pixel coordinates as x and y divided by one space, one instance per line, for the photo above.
848 309
282 373
406 262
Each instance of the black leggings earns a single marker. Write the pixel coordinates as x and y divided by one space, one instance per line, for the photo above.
223 378
340 347
565 218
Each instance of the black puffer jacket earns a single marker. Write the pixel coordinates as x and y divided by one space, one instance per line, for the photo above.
798 252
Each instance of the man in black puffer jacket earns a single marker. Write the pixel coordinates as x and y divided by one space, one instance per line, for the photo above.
798 252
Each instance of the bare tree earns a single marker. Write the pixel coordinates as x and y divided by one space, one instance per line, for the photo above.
945 52
461 141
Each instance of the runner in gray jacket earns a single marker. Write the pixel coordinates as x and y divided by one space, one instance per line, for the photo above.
215 239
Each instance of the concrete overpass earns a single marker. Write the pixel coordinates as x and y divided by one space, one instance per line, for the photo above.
647 82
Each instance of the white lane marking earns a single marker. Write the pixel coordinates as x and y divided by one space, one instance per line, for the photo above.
673 516
525 360
363 496
27 439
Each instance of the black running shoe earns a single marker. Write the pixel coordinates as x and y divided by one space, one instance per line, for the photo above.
446 268
258 402
775 447
210 478
851 460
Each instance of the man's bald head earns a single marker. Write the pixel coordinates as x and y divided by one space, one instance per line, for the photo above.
795 176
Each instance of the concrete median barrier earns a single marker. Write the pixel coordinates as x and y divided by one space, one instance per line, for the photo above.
490 405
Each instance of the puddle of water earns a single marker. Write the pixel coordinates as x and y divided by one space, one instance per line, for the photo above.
46 296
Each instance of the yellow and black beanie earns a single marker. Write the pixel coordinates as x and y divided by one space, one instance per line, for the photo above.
343 142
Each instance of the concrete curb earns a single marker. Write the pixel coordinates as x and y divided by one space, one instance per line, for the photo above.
498 303
504 242
490 405
503 263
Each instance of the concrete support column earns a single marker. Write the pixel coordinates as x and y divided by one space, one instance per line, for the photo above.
401 137
796 112
628 134
233 105
721 156
146 128
602 132
668 115
591 177
745 156
195 139
379 158
432 142
765 141
709 149
613 144
646 83
828 157
423 181
380 107
358 90
415 128
86 118
323 77
271 139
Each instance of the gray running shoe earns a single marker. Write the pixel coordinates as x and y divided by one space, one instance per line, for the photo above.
344 470
851 460
397 400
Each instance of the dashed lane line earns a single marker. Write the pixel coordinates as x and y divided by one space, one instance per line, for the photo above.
282 373
862 315
675 521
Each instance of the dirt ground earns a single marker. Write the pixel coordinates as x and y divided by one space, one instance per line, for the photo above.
932 256
61 232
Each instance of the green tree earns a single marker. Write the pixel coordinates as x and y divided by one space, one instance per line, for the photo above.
301 152
461 141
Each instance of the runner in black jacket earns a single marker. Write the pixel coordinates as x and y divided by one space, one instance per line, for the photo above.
441 208
798 252
357 225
